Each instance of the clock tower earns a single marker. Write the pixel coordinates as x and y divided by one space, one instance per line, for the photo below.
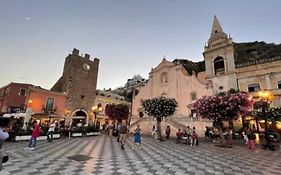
79 81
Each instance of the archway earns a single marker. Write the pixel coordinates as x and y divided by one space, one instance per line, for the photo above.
219 65
79 116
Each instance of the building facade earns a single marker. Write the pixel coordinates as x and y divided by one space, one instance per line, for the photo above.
104 98
46 105
228 65
79 81
13 97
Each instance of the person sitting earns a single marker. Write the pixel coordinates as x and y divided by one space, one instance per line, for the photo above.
185 138
179 136
194 138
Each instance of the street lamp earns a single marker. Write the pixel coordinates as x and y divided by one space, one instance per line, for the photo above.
265 96
96 110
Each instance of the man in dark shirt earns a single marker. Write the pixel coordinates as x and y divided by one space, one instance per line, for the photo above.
123 132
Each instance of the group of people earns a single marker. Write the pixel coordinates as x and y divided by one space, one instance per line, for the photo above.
36 131
122 130
187 136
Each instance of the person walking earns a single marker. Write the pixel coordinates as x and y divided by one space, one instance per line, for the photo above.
194 138
137 136
154 132
229 138
4 123
123 134
168 132
251 140
51 131
35 133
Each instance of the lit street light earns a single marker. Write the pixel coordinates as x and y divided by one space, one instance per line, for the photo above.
96 110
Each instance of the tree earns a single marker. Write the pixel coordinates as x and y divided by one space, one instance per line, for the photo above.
271 114
117 112
160 107
222 108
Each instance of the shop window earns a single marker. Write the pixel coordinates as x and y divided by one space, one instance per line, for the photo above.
253 87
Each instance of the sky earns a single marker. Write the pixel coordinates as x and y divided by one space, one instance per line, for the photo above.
128 36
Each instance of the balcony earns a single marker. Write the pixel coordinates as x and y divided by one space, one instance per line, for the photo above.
47 110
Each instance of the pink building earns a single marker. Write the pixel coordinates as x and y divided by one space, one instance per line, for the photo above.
13 97
46 104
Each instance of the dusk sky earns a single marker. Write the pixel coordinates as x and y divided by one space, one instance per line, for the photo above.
128 36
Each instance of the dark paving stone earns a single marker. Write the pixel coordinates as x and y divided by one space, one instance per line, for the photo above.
80 157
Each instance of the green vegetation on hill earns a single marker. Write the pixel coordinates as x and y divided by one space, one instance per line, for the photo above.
254 51
191 66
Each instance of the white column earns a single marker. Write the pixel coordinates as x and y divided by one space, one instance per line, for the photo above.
267 82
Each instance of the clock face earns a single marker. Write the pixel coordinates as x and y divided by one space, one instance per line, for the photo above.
86 67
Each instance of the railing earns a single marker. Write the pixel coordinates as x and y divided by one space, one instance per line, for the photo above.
49 111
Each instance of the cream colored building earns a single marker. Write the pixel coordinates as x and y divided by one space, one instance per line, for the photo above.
107 97
223 70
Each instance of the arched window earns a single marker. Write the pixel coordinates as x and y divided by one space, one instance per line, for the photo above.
253 87
279 84
164 77
219 66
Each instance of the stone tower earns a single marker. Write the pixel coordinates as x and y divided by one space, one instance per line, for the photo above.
219 59
79 81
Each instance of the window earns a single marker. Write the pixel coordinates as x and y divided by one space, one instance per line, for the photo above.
193 95
22 92
219 65
50 103
7 91
253 87
164 77
279 84
1 94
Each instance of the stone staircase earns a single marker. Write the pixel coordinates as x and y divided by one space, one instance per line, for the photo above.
175 122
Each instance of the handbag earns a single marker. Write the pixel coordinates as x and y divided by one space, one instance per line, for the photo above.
5 158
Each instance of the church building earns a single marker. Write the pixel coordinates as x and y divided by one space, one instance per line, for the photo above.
248 67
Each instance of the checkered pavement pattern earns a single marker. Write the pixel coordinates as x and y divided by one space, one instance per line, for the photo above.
103 155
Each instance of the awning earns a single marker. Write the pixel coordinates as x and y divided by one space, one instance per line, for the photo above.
16 115
79 117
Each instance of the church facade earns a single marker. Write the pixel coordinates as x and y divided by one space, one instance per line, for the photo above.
228 65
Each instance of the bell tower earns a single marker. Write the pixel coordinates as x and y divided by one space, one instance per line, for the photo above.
219 59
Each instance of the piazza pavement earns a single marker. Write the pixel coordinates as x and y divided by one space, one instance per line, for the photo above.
102 155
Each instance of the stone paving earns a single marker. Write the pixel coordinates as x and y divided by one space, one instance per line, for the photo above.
103 155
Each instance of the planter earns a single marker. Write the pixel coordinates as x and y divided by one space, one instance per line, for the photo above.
27 137
89 133
76 134
96 133
56 136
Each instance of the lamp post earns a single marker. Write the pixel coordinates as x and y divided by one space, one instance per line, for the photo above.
265 96
96 110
